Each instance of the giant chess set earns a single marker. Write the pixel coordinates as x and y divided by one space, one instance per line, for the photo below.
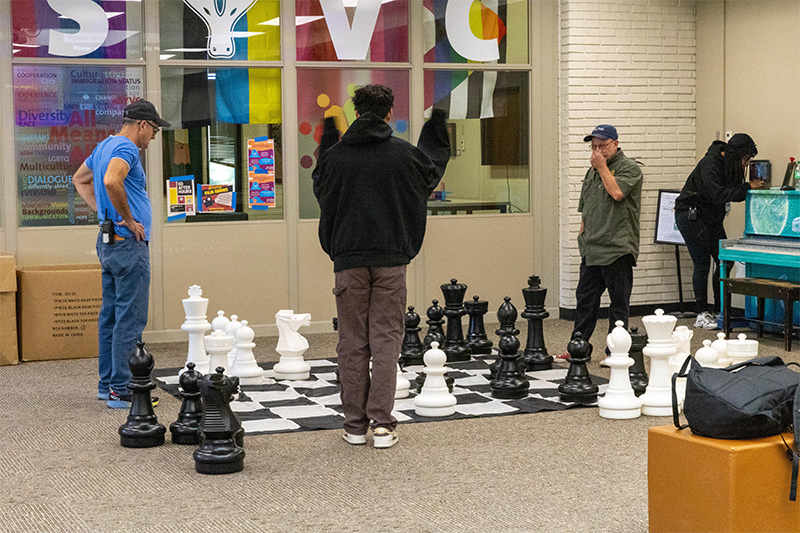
226 393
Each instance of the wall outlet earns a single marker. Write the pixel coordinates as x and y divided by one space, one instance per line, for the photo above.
728 135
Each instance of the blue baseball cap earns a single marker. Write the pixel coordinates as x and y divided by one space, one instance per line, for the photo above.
603 131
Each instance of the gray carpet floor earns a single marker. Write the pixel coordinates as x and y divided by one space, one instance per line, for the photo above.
62 468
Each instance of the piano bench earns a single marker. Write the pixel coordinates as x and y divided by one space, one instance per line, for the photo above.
761 288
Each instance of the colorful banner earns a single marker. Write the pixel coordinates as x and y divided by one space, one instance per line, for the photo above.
215 198
60 115
261 172
180 198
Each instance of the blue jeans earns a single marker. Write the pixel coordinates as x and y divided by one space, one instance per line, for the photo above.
123 315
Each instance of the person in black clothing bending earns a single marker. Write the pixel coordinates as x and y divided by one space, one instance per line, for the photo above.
372 190
717 179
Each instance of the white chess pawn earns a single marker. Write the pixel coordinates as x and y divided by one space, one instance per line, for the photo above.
291 345
683 342
196 324
707 356
220 322
217 345
742 349
403 385
619 401
721 346
434 399
230 329
657 398
244 364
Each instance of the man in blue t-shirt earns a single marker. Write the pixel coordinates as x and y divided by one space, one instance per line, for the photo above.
112 182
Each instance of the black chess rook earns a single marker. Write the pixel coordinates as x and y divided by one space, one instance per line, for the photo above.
411 351
142 429
637 372
535 356
455 346
186 429
578 386
477 340
219 452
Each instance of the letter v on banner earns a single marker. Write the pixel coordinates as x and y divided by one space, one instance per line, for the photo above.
459 33
351 42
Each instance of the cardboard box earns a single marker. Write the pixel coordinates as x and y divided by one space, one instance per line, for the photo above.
716 485
9 355
58 306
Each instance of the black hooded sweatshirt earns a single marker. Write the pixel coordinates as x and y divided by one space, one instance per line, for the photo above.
705 188
373 188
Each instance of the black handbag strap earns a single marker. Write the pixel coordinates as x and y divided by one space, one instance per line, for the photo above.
682 373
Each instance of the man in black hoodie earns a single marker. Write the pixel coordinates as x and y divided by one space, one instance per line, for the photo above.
700 211
372 190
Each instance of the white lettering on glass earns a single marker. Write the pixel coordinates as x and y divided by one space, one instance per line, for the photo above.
220 22
351 42
463 41
93 23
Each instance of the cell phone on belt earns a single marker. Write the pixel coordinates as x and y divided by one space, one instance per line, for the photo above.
692 213
107 228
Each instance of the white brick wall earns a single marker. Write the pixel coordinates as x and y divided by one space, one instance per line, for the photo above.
630 63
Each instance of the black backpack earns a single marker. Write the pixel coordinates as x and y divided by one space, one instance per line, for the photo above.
749 400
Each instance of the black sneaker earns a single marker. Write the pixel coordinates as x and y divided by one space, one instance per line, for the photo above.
123 401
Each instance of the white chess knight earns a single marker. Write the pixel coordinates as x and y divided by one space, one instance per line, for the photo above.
291 345
657 398
196 324
434 399
707 356
683 342
403 386
230 329
619 402
217 345
721 346
244 364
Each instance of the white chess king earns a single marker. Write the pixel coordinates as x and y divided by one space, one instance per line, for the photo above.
196 324
291 346
657 398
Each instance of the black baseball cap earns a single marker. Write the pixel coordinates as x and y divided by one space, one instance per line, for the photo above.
603 131
144 110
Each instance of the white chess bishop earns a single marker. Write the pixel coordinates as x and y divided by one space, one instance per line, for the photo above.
434 399
196 324
619 401
244 364
657 398
291 345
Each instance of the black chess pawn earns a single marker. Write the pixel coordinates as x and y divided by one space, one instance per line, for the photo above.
218 453
185 430
507 316
476 332
411 351
636 371
455 346
535 356
510 381
142 429
578 386
435 332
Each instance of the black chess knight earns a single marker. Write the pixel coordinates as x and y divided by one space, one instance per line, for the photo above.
142 429
219 452
455 346
411 351
637 372
477 340
435 332
186 429
535 356
578 386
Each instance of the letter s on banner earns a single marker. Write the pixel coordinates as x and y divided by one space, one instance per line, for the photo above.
93 31
463 41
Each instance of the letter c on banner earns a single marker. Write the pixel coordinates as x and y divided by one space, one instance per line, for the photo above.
463 41
93 23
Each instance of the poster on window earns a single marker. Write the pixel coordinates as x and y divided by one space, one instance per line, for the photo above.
61 113
261 172
180 198
215 198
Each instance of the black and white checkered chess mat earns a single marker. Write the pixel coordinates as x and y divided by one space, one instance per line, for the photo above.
279 406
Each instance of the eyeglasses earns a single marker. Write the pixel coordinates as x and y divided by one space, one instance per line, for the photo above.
603 145
156 129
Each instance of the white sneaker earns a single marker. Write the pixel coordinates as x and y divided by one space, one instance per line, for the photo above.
711 324
383 438
702 319
354 439
604 361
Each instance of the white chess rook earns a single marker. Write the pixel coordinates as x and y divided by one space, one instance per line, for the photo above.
657 398
217 345
619 402
291 346
244 364
434 399
196 324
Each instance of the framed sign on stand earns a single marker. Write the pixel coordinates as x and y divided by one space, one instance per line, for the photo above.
667 233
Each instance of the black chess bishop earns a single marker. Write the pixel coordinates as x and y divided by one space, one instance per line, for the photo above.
142 429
